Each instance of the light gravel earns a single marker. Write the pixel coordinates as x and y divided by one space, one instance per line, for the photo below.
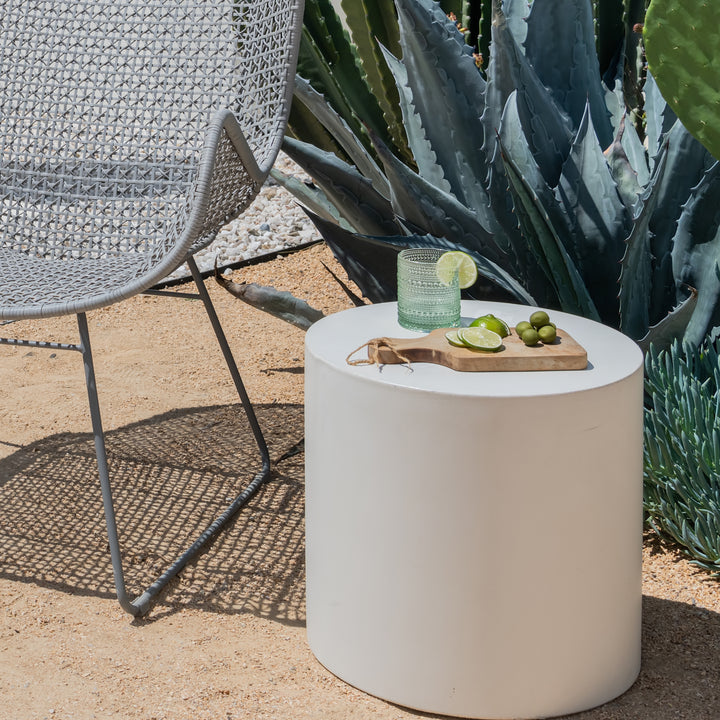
274 222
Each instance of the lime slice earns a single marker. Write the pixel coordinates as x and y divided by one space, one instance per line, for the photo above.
480 338
454 339
455 261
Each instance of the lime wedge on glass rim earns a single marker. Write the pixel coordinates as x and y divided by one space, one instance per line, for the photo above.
455 261
480 338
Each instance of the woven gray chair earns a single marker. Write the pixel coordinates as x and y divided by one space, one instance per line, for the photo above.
131 131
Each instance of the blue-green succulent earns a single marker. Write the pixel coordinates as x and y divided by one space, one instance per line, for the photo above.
682 449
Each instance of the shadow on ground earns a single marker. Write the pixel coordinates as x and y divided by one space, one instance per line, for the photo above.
172 475
680 676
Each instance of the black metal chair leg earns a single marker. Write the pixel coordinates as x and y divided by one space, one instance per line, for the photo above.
230 360
143 602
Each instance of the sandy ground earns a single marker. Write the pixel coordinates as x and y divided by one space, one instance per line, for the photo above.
228 640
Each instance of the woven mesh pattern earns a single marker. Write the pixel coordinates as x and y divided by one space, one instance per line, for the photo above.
105 108
231 191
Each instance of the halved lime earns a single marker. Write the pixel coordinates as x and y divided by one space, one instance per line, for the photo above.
480 338
454 339
455 261
492 323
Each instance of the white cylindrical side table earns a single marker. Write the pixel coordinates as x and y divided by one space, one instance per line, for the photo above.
474 540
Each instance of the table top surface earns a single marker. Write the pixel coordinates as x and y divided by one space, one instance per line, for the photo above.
612 356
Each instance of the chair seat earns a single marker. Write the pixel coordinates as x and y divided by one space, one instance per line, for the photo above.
41 287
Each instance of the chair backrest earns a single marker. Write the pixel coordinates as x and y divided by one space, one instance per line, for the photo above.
105 105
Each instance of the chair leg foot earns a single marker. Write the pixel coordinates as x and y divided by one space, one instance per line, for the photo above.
101 455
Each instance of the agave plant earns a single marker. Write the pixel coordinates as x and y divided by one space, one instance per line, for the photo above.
344 62
682 450
534 167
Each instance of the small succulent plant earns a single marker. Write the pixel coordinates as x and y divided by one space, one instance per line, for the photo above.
682 449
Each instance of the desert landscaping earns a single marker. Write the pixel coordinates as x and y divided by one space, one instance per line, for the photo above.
228 640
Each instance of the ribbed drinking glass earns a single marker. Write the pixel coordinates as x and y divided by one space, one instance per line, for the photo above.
424 301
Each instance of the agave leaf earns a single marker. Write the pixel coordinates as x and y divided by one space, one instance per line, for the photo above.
626 179
671 328
302 124
569 69
600 221
438 213
502 74
635 152
516 13
545 126
313 65
374 22
547 129
687 160
425 158
621 118
696 251
515 146
371 262
340 130
549 250
279 303
659 117
328 59
433 51
612 80
363 208
500 86
636 264
311 197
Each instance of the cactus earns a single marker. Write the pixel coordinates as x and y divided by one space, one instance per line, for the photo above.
682 44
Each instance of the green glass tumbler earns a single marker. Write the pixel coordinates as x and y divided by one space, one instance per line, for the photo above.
424 302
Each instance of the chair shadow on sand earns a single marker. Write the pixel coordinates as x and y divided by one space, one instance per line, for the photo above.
172 474
52 533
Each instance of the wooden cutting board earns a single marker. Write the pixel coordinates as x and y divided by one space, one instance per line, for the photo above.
564 354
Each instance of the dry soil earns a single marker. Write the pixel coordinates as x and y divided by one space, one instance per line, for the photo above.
228 640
